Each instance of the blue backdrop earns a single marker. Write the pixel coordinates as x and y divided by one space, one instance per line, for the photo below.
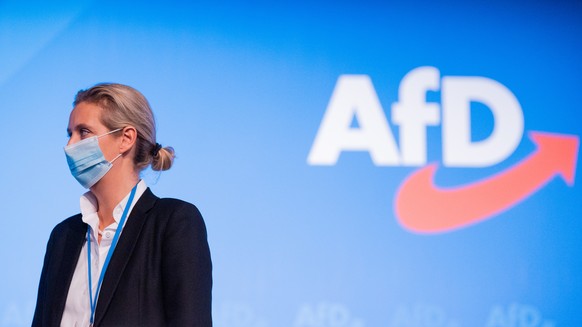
348 233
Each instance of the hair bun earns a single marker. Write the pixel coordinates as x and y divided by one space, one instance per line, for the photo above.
163 159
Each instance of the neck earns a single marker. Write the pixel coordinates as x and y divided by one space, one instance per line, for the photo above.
109 191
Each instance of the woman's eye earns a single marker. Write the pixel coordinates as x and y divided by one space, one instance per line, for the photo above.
84 132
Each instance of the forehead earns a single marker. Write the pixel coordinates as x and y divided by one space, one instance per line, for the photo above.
88 114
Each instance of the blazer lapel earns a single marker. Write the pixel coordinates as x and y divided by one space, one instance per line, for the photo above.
72 246
125 246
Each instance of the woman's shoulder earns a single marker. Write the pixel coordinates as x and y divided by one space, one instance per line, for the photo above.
74 222
71 227
177 214
176 209
172 205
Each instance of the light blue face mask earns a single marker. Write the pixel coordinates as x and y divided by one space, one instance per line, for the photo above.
86 160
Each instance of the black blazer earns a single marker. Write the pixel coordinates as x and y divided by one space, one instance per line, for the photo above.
159 275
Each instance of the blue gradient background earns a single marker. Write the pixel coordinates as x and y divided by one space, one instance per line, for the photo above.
239 90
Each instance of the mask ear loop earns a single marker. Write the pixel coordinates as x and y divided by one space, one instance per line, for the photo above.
113 131
119 155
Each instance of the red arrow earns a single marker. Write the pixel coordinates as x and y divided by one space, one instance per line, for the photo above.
423 207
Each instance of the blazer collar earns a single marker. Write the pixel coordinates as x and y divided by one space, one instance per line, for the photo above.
123 251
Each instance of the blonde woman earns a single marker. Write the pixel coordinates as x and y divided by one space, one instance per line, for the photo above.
129 258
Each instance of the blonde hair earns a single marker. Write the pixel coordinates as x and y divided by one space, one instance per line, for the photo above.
123 105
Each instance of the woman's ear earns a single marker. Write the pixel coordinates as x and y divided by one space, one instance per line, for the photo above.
128 138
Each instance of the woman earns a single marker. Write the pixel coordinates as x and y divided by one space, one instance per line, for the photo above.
129 258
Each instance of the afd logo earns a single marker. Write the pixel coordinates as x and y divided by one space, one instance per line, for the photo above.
420 205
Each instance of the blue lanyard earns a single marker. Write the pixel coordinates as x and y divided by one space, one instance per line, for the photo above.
93 299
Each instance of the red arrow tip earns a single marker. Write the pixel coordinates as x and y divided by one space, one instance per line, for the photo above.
559 151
